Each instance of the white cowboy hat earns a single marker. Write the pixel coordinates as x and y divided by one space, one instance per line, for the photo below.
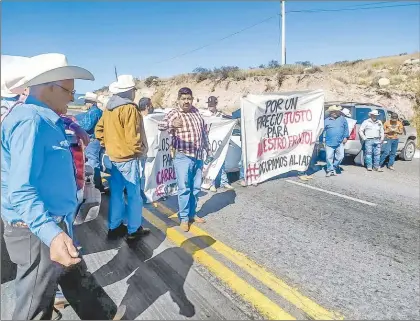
374 112
346 112
123 84
334 108
11 66
46 68
90 96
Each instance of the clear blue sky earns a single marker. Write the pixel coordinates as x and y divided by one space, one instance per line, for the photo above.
135 36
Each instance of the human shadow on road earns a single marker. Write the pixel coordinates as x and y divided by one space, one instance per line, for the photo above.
217 202
165 272
87 298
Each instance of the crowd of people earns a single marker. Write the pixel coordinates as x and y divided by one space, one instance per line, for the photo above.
38 176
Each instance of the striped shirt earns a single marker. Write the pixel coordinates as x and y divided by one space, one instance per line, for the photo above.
191 138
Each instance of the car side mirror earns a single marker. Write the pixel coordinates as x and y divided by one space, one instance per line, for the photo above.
405 123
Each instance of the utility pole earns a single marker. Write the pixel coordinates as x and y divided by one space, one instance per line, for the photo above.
283 33
116 75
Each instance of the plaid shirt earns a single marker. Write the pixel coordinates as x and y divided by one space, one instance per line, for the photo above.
192 138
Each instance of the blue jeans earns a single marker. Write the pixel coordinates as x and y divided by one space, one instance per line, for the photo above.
334 156
389 149
93 154
241 169
372 147
189 172
125 175
221 179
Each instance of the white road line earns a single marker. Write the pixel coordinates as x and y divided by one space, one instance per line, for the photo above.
332 193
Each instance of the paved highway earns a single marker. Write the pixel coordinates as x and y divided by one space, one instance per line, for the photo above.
330 248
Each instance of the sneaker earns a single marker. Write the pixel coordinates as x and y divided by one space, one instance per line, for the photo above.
391 168
184 226
242 183
378 169
141 231
303 178
197 219
228 187
120 231
213 189
369 169
329 174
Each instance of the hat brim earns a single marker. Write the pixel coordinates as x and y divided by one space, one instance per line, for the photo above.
57 74
374 114
114 89
7 94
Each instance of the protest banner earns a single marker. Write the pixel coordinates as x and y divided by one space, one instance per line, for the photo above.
279 132
160 178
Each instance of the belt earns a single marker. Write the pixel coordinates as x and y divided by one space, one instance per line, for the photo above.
21 224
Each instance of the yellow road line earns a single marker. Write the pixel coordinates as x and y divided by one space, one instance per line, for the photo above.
292 295
264 305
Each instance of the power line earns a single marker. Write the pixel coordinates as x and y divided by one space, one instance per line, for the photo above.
351 8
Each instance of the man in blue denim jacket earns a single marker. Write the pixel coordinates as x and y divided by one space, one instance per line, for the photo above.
93 151
336 134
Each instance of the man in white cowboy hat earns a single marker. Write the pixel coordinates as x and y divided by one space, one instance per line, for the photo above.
336 134
38 182
9 66
88 122
121 132
372 133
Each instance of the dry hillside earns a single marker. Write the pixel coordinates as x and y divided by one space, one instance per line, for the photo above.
389 81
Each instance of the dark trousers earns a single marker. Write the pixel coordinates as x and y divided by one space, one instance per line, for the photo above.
36 277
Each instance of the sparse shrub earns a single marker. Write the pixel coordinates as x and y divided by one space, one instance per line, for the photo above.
261 66
273 64
269 88
304 63
202 74
149 80
342 79
225 72
313 70
346 63
280 78
157 98
403 54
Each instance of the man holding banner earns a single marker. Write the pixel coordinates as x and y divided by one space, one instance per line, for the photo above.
221 179
189 141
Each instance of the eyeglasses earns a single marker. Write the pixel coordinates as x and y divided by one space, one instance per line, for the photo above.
71 92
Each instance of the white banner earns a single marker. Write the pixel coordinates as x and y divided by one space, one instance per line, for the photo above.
160 179
279 132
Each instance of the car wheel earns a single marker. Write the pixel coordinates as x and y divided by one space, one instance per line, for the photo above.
409 150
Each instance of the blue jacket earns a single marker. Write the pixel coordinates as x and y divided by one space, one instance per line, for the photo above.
89 119
37 173
336 130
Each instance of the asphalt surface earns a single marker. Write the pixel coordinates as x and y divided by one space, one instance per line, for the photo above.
355 252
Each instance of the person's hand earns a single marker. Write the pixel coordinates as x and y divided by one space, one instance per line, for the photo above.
344 140
177 123
63 251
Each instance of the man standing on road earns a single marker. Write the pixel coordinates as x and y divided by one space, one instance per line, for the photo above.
392 128
372 133
221 178
38 183
190 140
121 132
336 135
88 121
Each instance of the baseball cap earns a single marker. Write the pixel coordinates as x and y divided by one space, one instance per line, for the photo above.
212 101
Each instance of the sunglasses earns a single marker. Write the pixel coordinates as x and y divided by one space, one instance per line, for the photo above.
71 92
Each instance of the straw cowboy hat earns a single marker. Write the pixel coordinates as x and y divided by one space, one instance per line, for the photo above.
346 112
11 66
90 96
46 68
374 112
334 108
123 84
